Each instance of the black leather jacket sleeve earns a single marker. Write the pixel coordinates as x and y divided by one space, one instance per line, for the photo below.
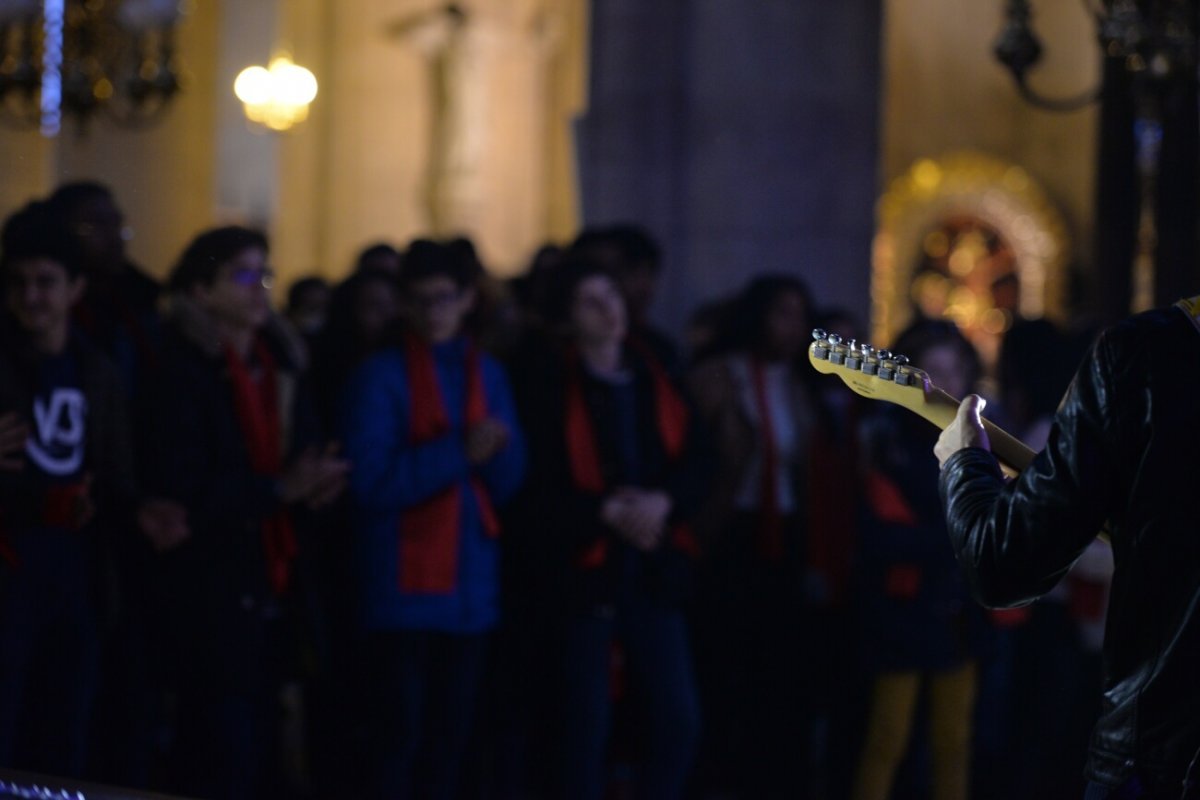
1015 541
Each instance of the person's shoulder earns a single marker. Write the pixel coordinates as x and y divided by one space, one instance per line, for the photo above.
140 286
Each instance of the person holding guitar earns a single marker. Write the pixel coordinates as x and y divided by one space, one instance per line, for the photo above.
1116 456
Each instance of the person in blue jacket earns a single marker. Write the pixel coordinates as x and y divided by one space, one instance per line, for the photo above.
431 429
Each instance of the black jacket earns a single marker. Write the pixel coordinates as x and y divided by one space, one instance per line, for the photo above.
1123 449
561 520
215 585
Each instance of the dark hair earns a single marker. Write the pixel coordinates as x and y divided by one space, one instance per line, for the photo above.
925 334
746 322
208 251
36 231
301 287
1034 357
634 243
427 259
371 251
564 281
69 196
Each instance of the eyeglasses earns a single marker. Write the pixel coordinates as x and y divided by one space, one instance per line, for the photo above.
251 276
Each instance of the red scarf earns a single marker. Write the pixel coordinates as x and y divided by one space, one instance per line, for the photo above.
257 407
429 532
583 451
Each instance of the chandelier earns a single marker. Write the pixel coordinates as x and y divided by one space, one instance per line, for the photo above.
1155 40
277 96
79 59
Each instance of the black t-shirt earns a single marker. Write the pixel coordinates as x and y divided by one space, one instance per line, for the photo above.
57 443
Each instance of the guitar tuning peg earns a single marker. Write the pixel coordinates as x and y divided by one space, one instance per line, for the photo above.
887 365
820 347
900 360
835 339
854 356
903 376
870 360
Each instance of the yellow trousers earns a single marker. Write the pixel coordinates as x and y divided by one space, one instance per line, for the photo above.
894 701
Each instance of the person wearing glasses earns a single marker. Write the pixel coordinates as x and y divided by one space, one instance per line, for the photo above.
237 445
431 427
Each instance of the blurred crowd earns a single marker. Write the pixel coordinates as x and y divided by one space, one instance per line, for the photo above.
428 534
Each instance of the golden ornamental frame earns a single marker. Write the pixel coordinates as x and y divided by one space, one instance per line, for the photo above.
999 194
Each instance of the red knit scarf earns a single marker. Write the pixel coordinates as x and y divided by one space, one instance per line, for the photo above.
429 532
257 407
583 451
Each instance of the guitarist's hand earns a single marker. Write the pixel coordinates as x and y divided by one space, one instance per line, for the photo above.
966 430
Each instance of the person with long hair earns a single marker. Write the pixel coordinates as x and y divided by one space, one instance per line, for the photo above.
755 395
918 625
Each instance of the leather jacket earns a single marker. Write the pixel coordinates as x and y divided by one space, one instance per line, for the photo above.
1123 451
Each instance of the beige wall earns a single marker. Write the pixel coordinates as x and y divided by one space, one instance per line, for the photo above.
162 176
944 91
356 171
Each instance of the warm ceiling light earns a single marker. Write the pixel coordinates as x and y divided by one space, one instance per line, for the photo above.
277 96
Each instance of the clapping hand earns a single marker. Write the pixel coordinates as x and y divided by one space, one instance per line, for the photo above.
316 478
485 439
638 515
164 523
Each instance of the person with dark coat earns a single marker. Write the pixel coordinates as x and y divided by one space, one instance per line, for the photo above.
67 494
1118 456
618 469
237 446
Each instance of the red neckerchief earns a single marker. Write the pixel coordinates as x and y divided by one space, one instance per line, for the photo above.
832 475
770 527
429 532
257 407
583 451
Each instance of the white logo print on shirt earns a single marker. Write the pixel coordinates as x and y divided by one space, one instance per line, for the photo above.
57 447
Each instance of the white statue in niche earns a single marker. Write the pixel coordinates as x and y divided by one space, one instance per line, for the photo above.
489 92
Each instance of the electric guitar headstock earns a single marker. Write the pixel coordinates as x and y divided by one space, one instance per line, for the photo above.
883 375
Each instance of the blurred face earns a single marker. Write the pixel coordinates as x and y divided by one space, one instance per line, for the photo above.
376 309
309 313
947 368
598 311
786 326
40 294
383 261
100 228
439 307
238 297
639 283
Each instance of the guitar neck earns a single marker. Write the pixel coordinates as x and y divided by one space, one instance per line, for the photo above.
940 409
